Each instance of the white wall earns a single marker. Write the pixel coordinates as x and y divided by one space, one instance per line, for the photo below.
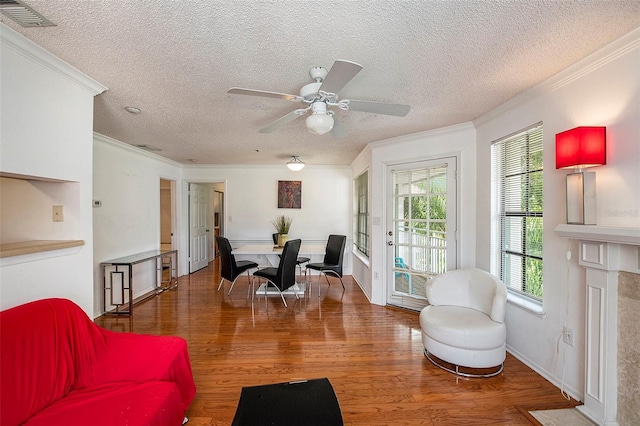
602 90
458 141
250 201
127 182
45 131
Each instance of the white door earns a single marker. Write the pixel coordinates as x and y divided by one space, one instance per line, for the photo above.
197 227
421 228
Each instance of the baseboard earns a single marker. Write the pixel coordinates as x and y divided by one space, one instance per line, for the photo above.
573 393
361 288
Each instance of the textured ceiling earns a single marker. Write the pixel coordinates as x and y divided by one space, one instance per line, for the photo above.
451 61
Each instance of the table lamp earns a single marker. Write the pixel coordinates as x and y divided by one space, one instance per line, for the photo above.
580 148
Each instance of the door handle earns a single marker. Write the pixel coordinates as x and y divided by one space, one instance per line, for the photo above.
389 243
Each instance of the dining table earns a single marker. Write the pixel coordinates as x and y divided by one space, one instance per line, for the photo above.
268 255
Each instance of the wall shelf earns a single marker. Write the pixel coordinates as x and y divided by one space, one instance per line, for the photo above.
36 246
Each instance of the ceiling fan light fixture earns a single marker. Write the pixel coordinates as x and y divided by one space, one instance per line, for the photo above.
319 122
295 164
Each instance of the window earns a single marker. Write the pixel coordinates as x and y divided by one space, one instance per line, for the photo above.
361 226
517 211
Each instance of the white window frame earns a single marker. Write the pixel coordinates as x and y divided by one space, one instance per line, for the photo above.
361 226
500 211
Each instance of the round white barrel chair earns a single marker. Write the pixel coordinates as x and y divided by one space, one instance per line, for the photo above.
464 322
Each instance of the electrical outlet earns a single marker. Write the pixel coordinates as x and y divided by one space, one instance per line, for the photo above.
567 335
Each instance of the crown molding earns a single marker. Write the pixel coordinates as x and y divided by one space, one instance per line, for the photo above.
456 128
265 166
98 137
130 148
596 60
16 42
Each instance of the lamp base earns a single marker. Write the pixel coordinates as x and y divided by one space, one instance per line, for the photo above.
581 198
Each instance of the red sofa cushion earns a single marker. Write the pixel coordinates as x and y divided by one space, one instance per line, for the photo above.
50 349
149 403
140 358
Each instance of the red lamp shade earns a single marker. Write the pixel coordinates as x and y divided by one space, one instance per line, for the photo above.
581 147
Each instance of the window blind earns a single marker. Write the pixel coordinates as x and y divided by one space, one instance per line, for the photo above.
518 173
361 237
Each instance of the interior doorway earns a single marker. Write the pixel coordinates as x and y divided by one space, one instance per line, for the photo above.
198 230
206 221
217 205
167 216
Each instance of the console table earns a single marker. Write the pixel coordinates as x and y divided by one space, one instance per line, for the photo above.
118 287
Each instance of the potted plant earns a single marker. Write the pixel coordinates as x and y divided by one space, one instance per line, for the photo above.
282 224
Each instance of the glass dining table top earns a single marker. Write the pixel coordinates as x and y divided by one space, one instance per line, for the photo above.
271 249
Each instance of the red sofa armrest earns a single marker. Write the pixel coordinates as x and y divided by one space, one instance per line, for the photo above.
140 358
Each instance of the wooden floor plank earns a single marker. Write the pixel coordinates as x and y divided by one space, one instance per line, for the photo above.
372 355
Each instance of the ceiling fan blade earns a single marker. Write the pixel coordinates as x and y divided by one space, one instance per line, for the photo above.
252 92
339 75
280 122
379 108
338 130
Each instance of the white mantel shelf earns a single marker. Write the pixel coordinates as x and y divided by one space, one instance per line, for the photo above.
630 236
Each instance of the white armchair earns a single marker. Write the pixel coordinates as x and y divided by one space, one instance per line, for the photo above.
464 322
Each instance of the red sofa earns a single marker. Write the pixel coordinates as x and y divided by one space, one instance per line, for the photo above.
59 368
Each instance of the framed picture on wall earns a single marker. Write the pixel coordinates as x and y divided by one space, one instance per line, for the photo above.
289 194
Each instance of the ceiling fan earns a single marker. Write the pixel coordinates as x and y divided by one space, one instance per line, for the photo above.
318 96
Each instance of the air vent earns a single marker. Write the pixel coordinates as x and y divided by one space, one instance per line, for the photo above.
148 147
23 14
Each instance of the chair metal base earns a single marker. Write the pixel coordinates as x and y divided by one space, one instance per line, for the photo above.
457 371
323 272
233 283
266 287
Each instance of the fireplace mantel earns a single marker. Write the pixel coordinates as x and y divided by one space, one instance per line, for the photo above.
604 252
630 236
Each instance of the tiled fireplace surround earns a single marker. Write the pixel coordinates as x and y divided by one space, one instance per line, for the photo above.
611 257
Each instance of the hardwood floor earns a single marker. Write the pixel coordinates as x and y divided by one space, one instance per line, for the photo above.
372 355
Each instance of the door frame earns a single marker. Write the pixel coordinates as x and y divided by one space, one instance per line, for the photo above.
186 221
414 303
172 211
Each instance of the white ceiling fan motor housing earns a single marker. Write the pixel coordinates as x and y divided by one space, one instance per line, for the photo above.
310 91
318 74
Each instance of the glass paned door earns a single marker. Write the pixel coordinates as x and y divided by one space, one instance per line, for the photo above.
422 228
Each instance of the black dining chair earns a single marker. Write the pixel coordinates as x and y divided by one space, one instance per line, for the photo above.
333 258
284 276
299 261
230 269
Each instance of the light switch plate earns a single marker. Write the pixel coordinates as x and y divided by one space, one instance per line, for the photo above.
57 214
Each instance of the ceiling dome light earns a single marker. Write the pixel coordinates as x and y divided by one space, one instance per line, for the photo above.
295 164
133 110
319 122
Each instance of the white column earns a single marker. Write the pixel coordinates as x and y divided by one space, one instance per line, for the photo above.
601 261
